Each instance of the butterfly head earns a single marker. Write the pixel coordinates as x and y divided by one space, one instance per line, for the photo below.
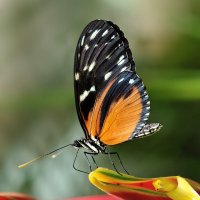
77 144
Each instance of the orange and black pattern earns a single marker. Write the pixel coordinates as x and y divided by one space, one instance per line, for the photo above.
111 100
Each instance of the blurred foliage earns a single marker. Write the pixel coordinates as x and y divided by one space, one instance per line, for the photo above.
37 111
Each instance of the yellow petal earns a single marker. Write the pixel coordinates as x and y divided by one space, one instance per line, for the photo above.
181 190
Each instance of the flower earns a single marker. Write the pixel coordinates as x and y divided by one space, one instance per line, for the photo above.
129 187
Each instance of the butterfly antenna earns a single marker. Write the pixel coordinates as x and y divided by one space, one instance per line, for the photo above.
42 156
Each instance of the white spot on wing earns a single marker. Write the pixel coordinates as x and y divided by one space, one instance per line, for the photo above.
120 63
123 69
142 124
85 68
92 89
92 66
86 93
107 75
82 41
121 60
105 32
113 37
94 34
86 47
108 57
121 80
131 81
77 76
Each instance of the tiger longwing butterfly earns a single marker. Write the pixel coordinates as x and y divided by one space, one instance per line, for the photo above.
111 100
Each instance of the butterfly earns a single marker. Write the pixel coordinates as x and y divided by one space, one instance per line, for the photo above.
111 100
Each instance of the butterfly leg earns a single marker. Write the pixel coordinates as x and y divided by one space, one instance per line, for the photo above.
88 160
94 160
92 155
109 155
75 162
115 153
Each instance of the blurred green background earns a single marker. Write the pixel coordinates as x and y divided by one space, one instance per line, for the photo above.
37 110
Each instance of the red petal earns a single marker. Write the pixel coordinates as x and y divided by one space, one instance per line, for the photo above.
99 197
14 196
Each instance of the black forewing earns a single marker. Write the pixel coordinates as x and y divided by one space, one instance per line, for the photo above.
102 53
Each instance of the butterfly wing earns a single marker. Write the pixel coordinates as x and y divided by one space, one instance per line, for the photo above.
102 59
101 53
124 110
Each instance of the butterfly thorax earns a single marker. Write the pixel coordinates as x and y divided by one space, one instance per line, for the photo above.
92 145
